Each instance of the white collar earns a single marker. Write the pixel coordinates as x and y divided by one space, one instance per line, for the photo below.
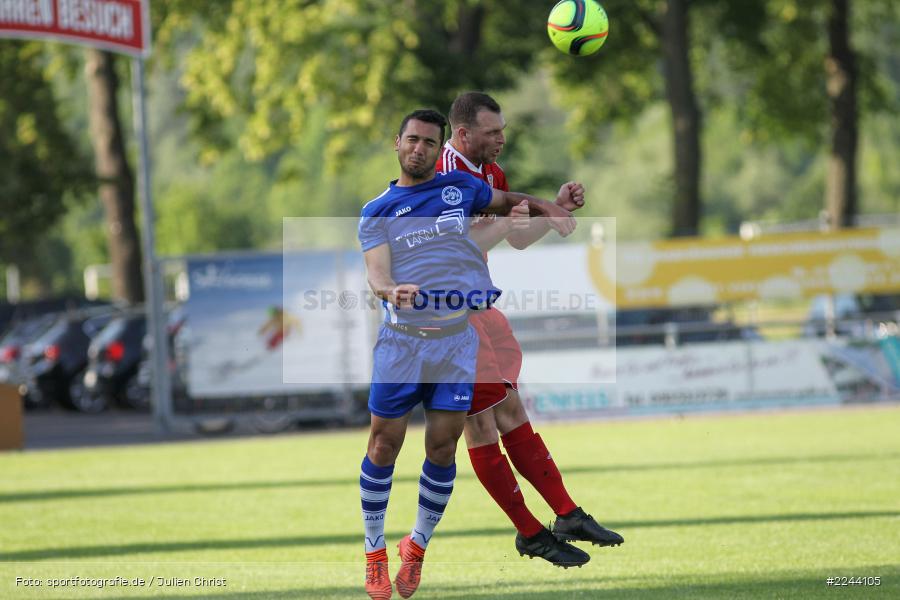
468 163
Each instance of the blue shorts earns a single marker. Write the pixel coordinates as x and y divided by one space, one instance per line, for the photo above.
438 372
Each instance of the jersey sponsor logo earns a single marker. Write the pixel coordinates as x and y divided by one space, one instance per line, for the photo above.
417 237
448 222
403 211
451 195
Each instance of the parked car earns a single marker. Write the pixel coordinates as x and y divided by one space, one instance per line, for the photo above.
114 356
138 388
12 344
57 359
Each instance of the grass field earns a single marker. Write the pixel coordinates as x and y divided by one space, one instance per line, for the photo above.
765 505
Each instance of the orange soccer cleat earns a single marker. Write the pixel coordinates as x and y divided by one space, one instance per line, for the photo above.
410 572
378 580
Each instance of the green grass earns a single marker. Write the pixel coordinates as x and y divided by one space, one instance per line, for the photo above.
765 505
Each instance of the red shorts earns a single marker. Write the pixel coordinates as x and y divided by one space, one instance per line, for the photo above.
499 359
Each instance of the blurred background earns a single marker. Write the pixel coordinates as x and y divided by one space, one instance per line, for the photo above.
704 120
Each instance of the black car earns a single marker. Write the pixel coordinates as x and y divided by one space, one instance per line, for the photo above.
12 345
56 360
114 356
138 389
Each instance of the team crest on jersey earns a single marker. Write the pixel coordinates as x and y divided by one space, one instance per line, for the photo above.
451 195
491 179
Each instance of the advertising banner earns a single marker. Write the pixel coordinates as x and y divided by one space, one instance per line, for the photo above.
715 376
253 331
116 25
326 292
545 280
890 345
694 271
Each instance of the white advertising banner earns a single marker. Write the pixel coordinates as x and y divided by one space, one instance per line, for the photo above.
716 376
274 325
546 279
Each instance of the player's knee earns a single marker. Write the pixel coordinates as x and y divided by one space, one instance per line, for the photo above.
441 452
510 413
383 450
481 429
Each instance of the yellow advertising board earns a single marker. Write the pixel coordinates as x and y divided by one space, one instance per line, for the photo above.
692 271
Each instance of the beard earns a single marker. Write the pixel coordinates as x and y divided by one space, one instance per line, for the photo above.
417 171
490 157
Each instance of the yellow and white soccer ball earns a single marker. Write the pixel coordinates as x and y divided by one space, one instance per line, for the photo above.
578 27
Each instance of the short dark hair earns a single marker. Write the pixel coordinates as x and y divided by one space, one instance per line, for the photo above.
425 115
464 110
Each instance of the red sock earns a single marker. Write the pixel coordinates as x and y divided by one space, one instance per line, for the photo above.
496 476
531 458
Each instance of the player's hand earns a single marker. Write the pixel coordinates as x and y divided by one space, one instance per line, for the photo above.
403 295
570 196
519 216
560 220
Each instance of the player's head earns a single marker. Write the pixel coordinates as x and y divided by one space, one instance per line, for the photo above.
419 142
476 126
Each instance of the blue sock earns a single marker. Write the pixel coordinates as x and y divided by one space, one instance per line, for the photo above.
374 489
435 487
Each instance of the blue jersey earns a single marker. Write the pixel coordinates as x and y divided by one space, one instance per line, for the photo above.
427 229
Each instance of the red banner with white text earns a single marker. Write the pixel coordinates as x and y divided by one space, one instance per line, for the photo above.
116 25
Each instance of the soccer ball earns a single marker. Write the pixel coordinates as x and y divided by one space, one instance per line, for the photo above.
577 27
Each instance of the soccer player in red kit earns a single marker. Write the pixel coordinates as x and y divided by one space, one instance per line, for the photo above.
476 141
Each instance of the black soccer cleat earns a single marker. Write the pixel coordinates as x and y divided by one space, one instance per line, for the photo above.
544 545
580 526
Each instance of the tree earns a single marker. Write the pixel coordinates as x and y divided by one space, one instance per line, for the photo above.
841 83
115 178
649 38
675 38
804 80
40 166
646 33
264 66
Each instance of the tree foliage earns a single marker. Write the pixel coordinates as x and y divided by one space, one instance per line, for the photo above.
263 67
40 167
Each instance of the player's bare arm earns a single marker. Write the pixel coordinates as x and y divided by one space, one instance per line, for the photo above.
493 232
558 218
378 274
570 197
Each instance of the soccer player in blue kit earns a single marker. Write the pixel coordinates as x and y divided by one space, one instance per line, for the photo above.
429 275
